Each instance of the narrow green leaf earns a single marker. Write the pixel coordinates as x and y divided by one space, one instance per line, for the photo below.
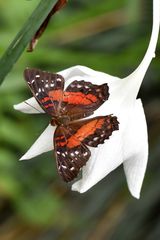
20 42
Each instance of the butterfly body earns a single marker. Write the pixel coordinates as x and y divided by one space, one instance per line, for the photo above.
60 120
68 109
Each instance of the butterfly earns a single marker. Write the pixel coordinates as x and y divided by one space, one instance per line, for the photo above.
67 109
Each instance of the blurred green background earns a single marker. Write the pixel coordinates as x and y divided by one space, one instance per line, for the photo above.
110 36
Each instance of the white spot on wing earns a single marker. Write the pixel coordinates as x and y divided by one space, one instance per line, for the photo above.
79 86
95 138
63 166
86 86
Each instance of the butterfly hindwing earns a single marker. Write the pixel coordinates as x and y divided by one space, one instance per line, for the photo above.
94 131
70 143
47 88
69 159
82 98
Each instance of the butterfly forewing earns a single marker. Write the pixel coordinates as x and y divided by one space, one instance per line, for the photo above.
82 98
47 88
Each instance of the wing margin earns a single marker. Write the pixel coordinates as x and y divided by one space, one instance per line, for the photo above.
47 88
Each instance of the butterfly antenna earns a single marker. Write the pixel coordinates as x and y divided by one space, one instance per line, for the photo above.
33 107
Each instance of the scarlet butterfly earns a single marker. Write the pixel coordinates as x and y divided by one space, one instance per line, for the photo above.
67 109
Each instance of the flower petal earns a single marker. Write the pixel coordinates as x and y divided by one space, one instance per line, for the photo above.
84 73
136 150
29 106
43 144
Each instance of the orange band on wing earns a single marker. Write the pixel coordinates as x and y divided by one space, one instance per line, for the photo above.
79 98
54 95
61 144
48 105
84 132
59 138
76 98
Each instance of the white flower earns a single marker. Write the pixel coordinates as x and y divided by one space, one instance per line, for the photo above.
129 145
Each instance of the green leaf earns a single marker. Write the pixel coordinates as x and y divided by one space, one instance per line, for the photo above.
20 42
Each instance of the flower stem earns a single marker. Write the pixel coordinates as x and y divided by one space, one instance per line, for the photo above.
140 71
21 40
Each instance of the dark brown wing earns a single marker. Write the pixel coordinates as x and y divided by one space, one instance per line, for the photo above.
82 98
94 131
70 160
47 88
70 143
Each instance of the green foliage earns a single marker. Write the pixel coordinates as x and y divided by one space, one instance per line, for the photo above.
20 42
33 199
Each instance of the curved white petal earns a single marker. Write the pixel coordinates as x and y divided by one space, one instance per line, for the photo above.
43 144
29 106
87 74
82 72
136 150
